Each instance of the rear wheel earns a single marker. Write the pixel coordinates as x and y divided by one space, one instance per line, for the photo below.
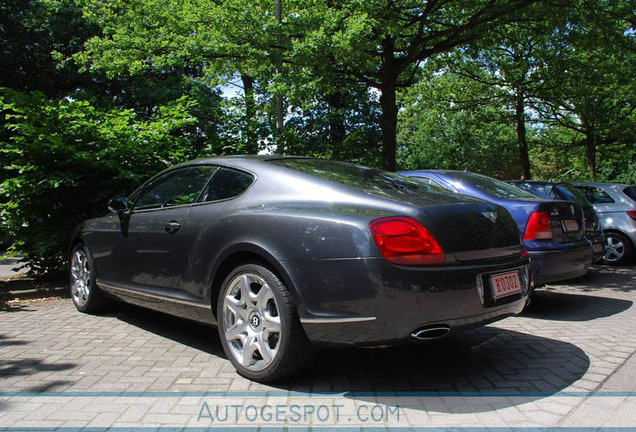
85 294
258 325
618 249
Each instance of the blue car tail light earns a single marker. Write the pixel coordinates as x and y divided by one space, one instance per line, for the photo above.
538 227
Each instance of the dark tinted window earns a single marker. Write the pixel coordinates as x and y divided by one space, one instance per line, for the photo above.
540 190
178 187
226 183
630 192
487 185
570 193
369 180
427 180
597 196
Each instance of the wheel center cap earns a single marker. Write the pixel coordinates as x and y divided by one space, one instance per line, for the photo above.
255 321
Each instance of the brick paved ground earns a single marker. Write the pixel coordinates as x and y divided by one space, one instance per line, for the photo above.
567 361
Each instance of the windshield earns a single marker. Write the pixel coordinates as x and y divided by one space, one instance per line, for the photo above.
572 194
487 185
539 189
370 180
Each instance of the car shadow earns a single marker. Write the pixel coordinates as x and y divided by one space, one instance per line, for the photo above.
193 334
497 368
558 306
491 367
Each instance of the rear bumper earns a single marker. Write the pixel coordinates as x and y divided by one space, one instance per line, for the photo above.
373 302
598 245
560 265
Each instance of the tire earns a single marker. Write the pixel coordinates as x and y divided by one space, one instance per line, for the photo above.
259 326
618 249
86 295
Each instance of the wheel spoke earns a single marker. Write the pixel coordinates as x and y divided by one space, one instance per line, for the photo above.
236 307
246 292
239 331
271 324
248 351
263 297
263 348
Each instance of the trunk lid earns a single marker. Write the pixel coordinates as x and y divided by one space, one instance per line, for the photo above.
473 229
566 220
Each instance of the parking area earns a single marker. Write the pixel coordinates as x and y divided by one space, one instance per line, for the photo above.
567 361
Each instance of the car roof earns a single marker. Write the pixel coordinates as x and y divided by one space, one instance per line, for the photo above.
601 184
242 158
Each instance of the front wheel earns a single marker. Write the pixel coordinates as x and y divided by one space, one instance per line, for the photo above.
618 249
85 294
259 327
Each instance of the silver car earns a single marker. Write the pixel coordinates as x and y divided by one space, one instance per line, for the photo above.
616 206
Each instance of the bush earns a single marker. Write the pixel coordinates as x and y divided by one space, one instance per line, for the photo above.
65 159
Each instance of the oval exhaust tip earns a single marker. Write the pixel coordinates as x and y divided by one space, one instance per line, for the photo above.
430 333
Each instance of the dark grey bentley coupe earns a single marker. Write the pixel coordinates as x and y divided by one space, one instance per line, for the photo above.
281 253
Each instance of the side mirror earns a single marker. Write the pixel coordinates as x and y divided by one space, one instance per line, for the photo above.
119 205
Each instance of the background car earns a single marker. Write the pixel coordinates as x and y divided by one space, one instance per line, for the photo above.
283 253
552 231
616 205
567 192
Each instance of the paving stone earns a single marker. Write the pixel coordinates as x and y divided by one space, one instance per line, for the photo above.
574 338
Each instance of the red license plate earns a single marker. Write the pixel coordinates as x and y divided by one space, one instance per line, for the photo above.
505 284
570 225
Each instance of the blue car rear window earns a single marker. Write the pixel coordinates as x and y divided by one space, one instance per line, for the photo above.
572 194
369 180
488 185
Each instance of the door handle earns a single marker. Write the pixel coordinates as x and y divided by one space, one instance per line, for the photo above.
172 227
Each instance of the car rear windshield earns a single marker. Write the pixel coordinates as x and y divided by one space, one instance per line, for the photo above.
488 185
369 180
570 193
539 189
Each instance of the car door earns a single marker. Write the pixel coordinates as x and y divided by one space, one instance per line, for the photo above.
206 227
144 254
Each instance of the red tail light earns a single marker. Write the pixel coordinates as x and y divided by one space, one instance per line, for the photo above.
403 240
538 227
632 214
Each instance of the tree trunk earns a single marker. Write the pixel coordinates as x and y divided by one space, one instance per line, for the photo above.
388 103
520 118
337 130
590 153
251 146
388 124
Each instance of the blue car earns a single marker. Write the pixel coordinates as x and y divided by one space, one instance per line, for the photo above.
567 192
552 231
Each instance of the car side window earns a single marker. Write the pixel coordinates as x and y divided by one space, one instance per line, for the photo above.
598 196
226 183
178 187
630 191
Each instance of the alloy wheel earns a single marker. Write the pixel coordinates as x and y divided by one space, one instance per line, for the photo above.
614 249
80 278
251 321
